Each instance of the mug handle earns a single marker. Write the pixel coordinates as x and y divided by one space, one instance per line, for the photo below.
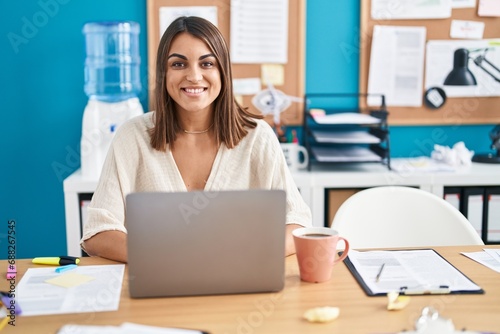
344 254
303 164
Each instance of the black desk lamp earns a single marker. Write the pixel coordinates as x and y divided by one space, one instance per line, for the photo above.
462 76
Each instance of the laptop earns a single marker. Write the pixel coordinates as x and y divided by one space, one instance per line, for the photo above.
205 243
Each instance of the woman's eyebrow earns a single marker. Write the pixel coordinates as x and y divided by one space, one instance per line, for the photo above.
177 55
207 56
185 58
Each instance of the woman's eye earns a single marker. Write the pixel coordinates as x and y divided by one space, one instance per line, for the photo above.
207 64
177 64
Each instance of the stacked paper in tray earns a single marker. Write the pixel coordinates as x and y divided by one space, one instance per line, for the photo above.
346 118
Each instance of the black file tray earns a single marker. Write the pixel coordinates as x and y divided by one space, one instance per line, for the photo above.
341 140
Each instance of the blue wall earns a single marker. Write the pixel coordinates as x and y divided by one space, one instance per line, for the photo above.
41 87
41 84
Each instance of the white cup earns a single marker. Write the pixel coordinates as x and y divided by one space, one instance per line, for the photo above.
293 152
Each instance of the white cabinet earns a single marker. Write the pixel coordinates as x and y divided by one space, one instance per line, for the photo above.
77 191
313 186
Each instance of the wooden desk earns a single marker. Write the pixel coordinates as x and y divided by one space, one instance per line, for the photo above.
282 312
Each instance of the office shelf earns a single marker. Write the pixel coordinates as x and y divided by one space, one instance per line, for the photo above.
340 135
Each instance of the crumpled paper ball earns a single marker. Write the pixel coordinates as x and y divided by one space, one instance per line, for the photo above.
457 156
396 302
322 314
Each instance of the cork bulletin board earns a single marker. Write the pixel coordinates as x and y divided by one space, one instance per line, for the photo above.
456 111
293 69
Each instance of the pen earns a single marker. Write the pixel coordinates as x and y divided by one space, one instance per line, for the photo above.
379 272
56 261
442 289
65 268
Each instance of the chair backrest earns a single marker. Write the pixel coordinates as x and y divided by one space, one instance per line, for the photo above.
395 216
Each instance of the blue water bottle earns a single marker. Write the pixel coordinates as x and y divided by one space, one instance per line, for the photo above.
112 83
112 60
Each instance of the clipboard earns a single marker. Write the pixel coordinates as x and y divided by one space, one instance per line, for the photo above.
406 290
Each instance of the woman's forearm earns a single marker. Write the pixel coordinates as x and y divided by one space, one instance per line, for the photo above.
108 244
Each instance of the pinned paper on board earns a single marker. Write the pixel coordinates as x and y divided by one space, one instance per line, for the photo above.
463 3
466 29
488 8
246 86
440 61
259 31
273 73
169 14
410 9
397 66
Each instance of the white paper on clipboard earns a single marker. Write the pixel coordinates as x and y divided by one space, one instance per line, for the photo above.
419 269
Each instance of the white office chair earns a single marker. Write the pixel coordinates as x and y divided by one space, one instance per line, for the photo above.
395 216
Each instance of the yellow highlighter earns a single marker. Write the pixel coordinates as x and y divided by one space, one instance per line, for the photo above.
56 261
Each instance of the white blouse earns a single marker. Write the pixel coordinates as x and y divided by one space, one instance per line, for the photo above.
133 165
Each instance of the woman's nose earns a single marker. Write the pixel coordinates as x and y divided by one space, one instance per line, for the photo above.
194 74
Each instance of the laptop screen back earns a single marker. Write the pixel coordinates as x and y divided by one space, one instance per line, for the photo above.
204 243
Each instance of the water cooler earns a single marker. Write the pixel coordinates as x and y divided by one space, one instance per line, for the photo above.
112 83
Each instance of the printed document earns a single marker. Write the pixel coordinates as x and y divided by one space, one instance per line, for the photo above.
397 66
101 293
419 164
410 9
259 31
489 258
125 328
420 271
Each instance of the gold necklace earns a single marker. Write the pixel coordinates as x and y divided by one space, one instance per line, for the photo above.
198 132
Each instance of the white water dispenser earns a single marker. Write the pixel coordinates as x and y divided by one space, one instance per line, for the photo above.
112 83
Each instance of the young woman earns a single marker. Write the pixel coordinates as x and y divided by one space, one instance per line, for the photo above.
198 138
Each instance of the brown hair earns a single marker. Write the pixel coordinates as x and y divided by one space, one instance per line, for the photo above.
230 119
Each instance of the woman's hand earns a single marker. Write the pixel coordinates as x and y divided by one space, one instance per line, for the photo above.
289 244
